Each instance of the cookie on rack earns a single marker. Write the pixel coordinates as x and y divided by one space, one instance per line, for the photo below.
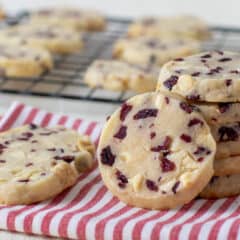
37 163
221 187
77 19
23 61
119 76
149 154
210 76
51 37
152 50
170 27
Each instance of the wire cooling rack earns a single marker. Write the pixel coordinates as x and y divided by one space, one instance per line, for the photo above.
66 79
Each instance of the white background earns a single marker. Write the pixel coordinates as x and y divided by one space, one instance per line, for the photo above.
223 12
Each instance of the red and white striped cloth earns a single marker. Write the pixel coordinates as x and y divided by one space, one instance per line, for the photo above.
89 211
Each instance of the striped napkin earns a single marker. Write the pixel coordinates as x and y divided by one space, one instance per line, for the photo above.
89 211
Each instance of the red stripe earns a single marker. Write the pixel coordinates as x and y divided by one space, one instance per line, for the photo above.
81 227
31 116
90 128
196 228
137 231
76 124
62 120
201 211
233 232
217 226
11 119
48 217
100 227
120 225
158 227
64 223
46 119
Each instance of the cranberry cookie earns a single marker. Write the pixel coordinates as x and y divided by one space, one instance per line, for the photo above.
150 50
221 187
119 76
53 38
21 61
227 166
149 152
170 27
37 163
76 19
210 76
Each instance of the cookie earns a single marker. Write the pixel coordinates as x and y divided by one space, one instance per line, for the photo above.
37 163
170 27
21 61
77 19
53 38
221 187
120 76
210 76
150 50
227 166
149 152
220 113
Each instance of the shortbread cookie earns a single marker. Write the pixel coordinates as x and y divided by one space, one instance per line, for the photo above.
76 19
170 27
227 166
37 163
156 152
21 61
220 113
118 76
210 76
221 187
53 38
149 50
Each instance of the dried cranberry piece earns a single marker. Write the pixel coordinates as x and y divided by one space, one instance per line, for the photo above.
47 133
28 164
219 52
51 149
122 133
23 139
227 134
2 146
2 161
122 179
202 150
125 109
178 59
193 97
206 56
165 146
175 187
23 180
223 107
27 134
151 185
200 159
107 156
66 158
234 71
146 113
224 59
170 82
167 100
167 165
195 121
6 142
43 174
33 126
228 82
34 141
186 138
152 135
188 108
195 74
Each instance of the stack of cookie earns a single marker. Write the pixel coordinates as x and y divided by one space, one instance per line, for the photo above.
26 50
150 43
211 81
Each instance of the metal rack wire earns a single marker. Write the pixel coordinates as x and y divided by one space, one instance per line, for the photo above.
65 80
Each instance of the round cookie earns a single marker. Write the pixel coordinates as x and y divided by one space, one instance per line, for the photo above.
21 61
227 166
220 113
37 163
221 187
53 38
120 76
77 19
170 27
150 50
150 159
209 76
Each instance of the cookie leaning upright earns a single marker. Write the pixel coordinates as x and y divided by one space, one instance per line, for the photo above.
149 152
210 76
38 163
